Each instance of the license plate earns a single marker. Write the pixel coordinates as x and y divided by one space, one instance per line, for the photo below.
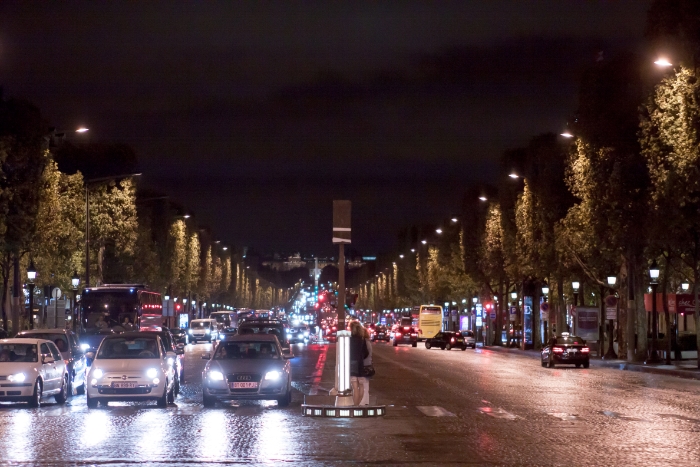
123 385
244 385
573 350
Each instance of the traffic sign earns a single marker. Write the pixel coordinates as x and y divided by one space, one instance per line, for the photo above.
56 293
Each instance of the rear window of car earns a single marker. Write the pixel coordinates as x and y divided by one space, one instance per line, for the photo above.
467 333
571 340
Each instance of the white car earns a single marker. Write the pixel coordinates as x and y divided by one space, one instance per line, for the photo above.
31 369
132 366
203 330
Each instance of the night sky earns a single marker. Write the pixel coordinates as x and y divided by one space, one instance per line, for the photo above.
256 115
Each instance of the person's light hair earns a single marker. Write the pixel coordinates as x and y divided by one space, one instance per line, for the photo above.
356 329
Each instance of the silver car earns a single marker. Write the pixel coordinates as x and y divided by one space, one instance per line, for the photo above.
250 366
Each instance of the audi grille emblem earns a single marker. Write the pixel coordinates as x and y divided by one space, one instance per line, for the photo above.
244 378
124 377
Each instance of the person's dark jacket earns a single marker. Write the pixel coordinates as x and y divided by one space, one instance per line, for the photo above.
357 355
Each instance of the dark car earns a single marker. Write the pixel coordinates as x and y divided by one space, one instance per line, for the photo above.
566 349
67 343
446 340
298 334
227 333
171 346
406 335
380 333
266 326
180 336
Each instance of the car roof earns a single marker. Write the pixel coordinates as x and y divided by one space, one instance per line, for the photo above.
23 340
260 321
46 331
131 334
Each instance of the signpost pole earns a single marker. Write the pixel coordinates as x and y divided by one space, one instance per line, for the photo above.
341 236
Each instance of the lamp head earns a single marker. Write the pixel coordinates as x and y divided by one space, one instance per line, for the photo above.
612 280
31 271
575 285
654 271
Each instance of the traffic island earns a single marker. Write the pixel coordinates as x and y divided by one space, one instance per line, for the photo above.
325 406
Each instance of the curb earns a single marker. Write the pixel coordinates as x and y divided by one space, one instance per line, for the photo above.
621 365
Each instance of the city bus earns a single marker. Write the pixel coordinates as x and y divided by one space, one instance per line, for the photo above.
428 320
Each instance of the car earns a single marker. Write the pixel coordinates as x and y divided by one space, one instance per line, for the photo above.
248 366
469 338
566 349
266 326
405 335
203 330
227 333
180 336
133 366
298 334
73 356
380 333
446 340
178 350
31 369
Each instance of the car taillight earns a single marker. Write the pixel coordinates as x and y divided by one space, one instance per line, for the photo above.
414 334
398 334
585 350
405 329
558 350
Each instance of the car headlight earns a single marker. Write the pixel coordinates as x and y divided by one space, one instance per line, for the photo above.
306 333
223 336
207 331
97 373
190 331
272 375
18 378
171 361
216 375
84 347
151 372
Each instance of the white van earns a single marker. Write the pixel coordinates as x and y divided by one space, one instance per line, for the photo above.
203 330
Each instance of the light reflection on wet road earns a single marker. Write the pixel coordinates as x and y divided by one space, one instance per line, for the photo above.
445 407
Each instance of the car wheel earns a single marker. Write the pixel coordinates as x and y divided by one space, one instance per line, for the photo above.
171 395
551 362
63 394
578 365
442 347
543 363
208 401
35 400
176 389
448 347
286 400
395 343
427 345
194 341
464 347
69 388
163 400
91 402
81 389
586 364
415 344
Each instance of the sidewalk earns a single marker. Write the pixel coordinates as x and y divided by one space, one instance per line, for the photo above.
682 369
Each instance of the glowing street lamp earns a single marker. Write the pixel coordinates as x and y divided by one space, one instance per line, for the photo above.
424 242
514 175
483 198
454 220
566 134
31 276
610 354
663 63
82 129
438 231
685 286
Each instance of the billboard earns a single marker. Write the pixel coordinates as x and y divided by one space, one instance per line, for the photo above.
587 322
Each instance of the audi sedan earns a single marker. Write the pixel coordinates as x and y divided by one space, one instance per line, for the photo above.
250 366
566 349
133 366
31 369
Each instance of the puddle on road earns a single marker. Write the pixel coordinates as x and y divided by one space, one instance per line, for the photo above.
435 411
497 412
567 417
677 417
620 416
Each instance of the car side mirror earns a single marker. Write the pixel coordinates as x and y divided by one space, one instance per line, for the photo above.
47 359
206 356
287 354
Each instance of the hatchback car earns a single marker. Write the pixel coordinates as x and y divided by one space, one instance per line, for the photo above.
298 334
203 330
31 369
407 335
227 333
379 333
180 336
177 349
446 340
249 366
132 366
469 338
73 356
566 349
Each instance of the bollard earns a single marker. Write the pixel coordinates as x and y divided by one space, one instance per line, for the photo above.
342 368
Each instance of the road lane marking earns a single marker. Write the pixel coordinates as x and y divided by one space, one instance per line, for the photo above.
434 411
316 382
567 417
497 412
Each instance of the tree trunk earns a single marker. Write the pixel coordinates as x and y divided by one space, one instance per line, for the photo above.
16 294
696 292
100 265
5 266
641 328
499 316
562 325
631 308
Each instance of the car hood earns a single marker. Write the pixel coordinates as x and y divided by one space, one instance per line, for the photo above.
11 368
246 366
135 364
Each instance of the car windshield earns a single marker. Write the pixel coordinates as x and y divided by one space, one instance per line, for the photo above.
570 340
262 329
200 324
240 350
129 348
18 353
61 340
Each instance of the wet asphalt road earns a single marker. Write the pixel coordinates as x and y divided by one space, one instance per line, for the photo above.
444 408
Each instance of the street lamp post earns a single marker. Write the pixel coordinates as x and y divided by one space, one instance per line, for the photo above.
610 354
75 282
654 275
545 293
514 340
31 275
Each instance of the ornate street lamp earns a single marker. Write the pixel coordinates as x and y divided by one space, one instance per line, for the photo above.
654 275
31 276
576 285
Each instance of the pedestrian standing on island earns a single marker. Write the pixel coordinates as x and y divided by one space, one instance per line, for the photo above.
357 357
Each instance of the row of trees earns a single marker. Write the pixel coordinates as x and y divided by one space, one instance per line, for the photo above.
620 194
136 236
